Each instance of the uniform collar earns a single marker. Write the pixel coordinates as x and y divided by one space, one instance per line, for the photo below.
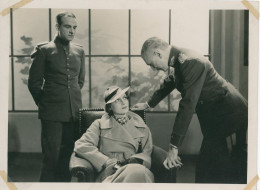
173 57
59 40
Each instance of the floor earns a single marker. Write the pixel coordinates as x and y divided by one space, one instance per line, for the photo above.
25 167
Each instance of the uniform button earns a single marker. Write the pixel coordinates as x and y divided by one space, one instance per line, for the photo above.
68 64
68 75
68 86
67 58
201 102
68 70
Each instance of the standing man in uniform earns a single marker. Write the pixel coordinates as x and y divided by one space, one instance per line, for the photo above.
56 77
221 110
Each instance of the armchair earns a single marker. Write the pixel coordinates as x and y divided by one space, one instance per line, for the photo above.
83 171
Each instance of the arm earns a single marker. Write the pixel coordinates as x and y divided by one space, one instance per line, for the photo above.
194 74
87 147
81 78
36 74
166 87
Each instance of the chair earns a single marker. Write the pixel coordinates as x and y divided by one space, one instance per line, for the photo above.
83 171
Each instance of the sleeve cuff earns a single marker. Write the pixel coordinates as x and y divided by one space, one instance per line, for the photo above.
176 139
151 104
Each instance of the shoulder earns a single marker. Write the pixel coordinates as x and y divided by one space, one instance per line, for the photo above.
38 48
43 45
77 46
191 59
95 125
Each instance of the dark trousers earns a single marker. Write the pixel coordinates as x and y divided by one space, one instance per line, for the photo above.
57 140
216 164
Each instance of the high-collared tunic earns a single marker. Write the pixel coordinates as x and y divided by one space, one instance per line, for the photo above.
220 108
56 76
106 138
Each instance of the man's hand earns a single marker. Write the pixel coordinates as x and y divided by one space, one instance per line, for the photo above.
172 160
140 106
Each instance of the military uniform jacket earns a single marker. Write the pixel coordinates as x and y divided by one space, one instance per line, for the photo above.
106 138
56 77
220 108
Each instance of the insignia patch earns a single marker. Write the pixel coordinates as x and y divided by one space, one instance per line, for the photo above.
171 61
182 58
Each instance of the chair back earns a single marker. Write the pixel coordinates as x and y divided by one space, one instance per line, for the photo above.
88 115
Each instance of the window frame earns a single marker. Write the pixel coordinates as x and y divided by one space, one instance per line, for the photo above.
88 56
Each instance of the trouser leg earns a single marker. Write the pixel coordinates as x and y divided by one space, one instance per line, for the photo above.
57 146
51 136
66 149
217 165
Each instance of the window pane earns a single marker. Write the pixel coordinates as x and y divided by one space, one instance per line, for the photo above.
85 89
81 36
109 32
107 71
23 98
10 104
144 82
146 24
190 31
30 27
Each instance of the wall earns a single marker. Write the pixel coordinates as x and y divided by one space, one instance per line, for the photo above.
229 46
24 132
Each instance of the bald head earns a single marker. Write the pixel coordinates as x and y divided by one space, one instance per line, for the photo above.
155 52
153 43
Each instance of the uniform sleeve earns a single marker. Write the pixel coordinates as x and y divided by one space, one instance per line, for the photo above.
194 74
81 78
166 87
87 146
147 151
36 74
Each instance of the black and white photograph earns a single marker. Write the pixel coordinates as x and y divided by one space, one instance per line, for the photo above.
157 94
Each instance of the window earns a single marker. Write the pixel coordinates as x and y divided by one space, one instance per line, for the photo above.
112 40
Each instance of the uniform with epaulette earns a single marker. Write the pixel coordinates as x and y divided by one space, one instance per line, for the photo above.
56 77
221 110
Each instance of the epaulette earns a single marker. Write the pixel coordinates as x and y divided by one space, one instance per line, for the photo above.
37 48
182 58
42 43
77 44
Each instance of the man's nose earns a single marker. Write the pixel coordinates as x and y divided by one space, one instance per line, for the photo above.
72 31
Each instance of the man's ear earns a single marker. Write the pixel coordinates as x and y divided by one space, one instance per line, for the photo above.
157 53
57 26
